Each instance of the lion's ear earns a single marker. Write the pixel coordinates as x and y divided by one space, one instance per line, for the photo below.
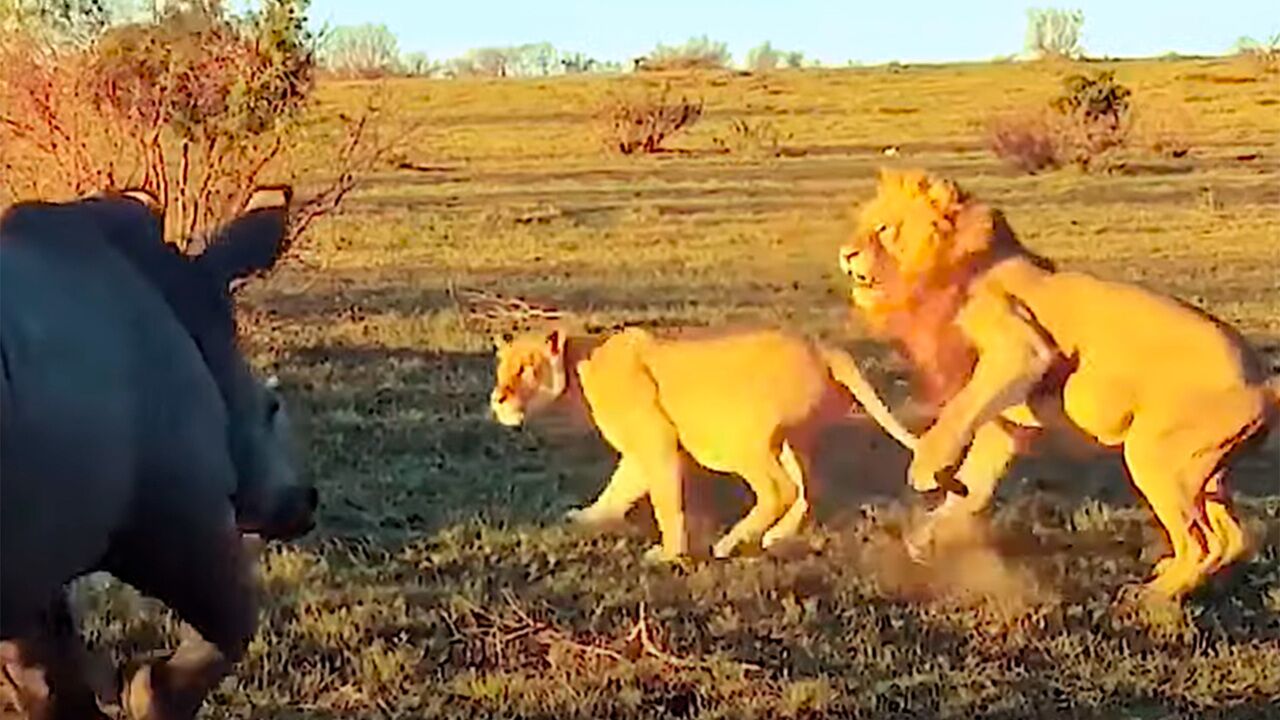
890 177
555 341
943 195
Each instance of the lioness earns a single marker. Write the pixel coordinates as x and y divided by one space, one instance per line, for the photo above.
1179 391
749 403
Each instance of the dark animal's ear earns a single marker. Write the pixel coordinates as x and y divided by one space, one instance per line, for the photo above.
147 199
252 243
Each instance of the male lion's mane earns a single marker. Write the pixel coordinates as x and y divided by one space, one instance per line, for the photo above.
920 303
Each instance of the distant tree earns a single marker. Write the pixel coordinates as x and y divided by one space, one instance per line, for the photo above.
418 64
367 50
576 63
795 59
490 61
763 57
699 53
1052 32
533 60
74 22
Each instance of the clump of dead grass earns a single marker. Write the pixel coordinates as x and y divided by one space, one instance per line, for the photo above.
641 121
751 138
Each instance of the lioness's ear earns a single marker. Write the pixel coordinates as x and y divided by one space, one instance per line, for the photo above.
251 243
555 341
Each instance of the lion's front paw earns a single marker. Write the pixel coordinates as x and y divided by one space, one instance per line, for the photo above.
659 555
923 481
933 455
919 544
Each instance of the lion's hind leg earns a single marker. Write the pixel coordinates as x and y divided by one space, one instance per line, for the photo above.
1231 540
1164 476
765 476
1179 465
798 509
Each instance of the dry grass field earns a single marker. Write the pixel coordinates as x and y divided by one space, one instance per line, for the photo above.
441 582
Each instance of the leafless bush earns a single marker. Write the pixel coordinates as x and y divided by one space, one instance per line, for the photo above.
759 138
641 121
197 107
1027 141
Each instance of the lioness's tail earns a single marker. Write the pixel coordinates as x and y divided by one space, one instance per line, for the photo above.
846 372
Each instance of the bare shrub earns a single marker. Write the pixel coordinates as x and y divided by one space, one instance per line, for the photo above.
641 121
197 107
760 138
1027 141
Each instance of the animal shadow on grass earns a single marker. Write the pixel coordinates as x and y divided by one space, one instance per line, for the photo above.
401 443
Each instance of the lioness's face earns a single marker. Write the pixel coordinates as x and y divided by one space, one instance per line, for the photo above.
530 376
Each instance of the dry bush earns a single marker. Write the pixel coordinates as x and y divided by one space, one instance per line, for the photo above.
1086 126
197 107
1097 116
641 121
1027 141
760 138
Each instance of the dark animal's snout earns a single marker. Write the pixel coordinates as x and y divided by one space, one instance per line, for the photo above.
293 517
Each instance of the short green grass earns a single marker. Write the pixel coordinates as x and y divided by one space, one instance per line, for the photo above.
441 583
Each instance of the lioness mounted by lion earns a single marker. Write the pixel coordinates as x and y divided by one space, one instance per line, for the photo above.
749 403
1031 346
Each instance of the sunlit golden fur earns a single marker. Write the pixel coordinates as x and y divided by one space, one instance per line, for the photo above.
749 403
1176 389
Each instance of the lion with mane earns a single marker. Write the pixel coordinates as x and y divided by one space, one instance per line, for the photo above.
1004 341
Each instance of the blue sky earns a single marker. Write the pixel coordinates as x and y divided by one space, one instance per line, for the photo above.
830 30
